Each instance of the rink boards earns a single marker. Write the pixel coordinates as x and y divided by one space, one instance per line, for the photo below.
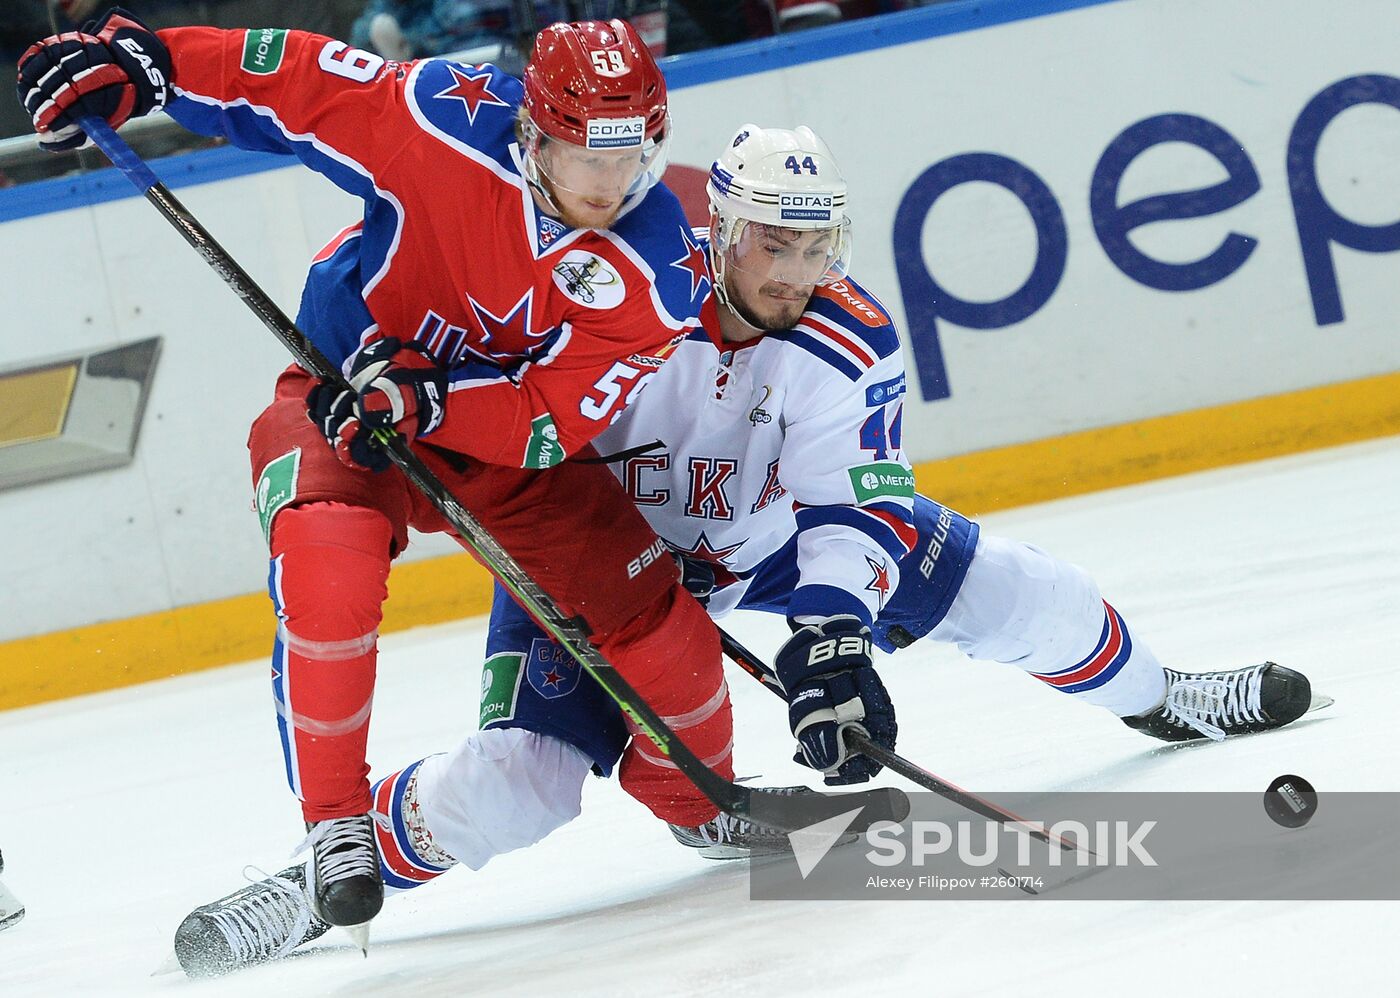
1123 240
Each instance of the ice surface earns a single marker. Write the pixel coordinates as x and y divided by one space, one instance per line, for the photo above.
124 810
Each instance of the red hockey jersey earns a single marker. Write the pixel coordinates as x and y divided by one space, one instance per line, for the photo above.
547 331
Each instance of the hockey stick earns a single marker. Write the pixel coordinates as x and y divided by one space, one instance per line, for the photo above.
860 743
787 813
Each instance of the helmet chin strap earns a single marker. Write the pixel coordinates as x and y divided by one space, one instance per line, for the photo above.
734 311
550 205
529 149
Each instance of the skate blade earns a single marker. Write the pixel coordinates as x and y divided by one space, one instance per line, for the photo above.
1320 701
170 966
359 935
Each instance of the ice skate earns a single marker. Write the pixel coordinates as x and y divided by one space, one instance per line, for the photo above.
347 889
1216 705
11 910
263 921
728 837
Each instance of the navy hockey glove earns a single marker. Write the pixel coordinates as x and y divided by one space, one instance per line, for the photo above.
697 575
831 685
115 68
394 387
331 407
399 386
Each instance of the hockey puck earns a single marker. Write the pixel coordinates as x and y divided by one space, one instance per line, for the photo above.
1290 801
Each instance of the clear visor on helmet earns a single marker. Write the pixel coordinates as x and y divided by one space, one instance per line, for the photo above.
605 175
788 256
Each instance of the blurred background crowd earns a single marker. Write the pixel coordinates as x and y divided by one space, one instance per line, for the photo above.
498 31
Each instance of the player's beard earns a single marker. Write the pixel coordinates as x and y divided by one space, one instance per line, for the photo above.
779 314
576 211
593 220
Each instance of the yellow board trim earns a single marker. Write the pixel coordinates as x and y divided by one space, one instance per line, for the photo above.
35 403
159 645
1105 458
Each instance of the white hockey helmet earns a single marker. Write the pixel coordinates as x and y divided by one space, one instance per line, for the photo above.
774 179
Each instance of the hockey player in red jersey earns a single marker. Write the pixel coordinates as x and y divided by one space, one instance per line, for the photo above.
517 277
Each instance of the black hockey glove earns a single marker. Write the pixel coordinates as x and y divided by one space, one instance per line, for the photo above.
697 575
832 685
115 69
394 387
331 407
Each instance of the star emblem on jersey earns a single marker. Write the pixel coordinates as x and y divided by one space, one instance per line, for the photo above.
706 551
512 329
880 584
472 90
693 263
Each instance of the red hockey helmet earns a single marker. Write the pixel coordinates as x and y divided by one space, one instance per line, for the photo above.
596 125
593 83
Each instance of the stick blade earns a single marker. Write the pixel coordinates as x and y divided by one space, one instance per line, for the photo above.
795 813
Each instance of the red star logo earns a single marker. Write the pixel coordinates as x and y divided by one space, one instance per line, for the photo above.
703 549
881 582
513 328
471 90
693 263
552 678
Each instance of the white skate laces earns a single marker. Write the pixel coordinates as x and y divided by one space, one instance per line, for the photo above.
723 829
344 847
1209 703
727 836
263 924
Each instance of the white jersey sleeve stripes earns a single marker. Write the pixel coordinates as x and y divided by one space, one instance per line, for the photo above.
796 432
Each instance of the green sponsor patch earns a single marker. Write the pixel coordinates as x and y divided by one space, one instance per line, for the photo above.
277 486
500 681
263 49
543 449
872 481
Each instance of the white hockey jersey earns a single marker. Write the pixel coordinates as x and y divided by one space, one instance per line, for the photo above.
733 449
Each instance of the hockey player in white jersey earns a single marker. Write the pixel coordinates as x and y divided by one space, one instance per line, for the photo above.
768 452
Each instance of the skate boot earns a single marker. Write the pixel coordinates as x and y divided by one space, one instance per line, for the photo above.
728 837
11 910
263 921
347 888
1217 704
